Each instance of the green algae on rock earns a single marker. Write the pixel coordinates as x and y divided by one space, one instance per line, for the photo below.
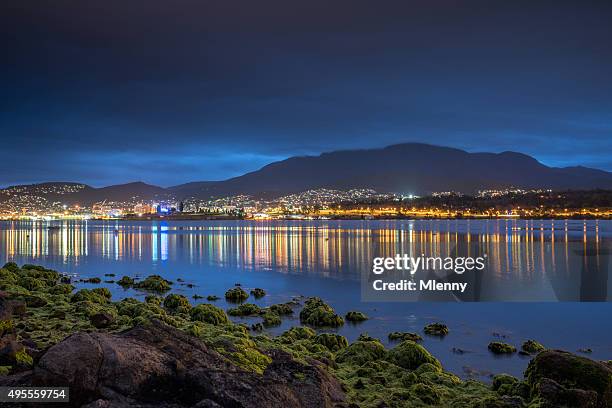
401 336
411 356
497 347
153 283
532 347
208 313
317 313
282 308
125 281
177 303
271 319
258 293
236 295
212 298
436 329
355 317
331 341
245 309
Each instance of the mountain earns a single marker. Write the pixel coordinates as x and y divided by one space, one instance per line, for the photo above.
405 168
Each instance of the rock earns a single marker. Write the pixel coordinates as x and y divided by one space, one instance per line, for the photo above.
154 283
35 301
319 314
212 298
208 313
246 309
271 319
125 281
258 293
436 329
401 336
411 356
177 303
585 350
162 364
236 295
497 347
93 280
532 347
298 333
101 320
355 317
332 341
360 352
555 374
282 308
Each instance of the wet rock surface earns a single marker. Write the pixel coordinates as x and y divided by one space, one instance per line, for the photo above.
559 378
157 365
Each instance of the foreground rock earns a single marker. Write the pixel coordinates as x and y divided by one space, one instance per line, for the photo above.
159 363
558 378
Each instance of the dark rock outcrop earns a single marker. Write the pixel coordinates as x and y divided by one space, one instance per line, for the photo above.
157 365
564 379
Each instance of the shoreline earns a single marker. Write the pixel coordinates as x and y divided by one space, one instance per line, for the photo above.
50 305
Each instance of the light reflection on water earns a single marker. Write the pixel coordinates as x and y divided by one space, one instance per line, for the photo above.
532 259
530 254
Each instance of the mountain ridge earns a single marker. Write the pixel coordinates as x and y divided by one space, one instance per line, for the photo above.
416 168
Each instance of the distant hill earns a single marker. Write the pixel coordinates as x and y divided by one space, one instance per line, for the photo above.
76 193
406 168
403 168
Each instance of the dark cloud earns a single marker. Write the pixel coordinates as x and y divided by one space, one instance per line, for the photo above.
190 90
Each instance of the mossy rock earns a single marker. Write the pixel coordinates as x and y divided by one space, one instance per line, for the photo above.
258 293
212 298
532 347
356 317
498 347
436 329
35 301
411 356
317 313
177 303
93 280
98 295
61 289
31 283
154 300
426 393
361 352
236 295
298 333
401 336
11 266
125 281
246 309
154 283
208 313
572 372
282 308
271 319
333 342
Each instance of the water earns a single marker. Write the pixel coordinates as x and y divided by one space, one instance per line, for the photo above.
531 264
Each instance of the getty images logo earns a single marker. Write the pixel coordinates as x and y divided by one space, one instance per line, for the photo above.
411 264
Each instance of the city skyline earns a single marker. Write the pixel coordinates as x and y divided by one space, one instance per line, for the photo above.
200 91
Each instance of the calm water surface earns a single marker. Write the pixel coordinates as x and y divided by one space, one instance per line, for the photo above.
541 268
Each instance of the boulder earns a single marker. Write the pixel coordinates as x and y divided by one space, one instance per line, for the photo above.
162 365
555 376
101 320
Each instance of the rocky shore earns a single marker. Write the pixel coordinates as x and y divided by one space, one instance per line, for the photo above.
165 352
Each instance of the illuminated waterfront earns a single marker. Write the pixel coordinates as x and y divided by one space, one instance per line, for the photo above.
528 260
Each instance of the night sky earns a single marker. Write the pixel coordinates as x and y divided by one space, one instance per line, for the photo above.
174 91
